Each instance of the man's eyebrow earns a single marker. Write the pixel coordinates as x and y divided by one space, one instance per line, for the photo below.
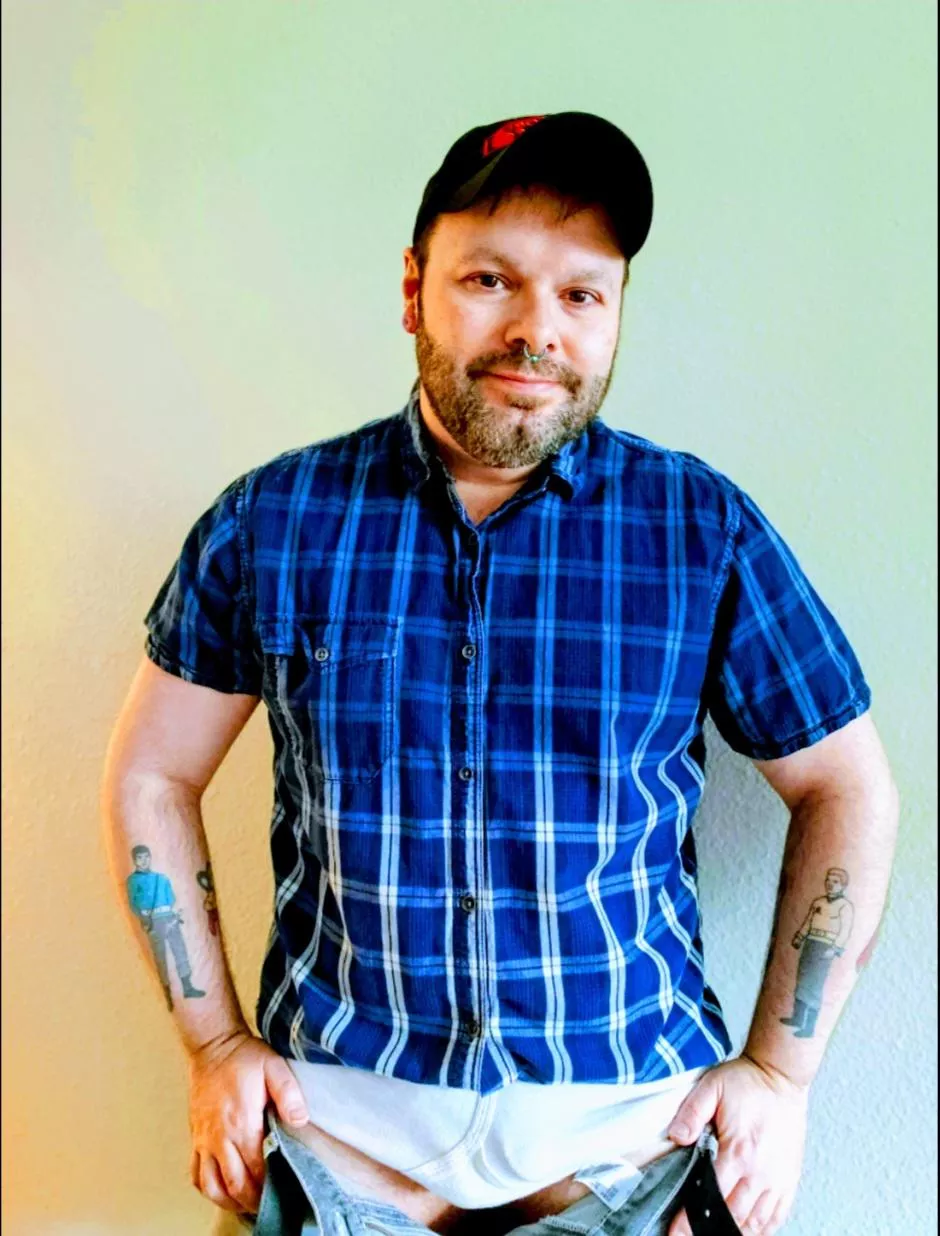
484 254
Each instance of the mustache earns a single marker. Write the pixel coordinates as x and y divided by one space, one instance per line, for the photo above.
518 364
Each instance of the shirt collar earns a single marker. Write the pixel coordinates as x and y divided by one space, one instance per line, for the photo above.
420 459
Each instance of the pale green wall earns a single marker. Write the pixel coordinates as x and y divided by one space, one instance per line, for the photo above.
205 210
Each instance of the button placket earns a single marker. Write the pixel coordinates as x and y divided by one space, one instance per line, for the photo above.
468 735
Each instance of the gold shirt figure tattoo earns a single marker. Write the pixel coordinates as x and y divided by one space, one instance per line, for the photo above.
821 938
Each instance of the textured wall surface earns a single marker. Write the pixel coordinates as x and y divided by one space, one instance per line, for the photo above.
205 208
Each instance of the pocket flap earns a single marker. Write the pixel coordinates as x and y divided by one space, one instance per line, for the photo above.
331 642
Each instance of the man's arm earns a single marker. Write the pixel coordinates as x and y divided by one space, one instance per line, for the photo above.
844 816
169 740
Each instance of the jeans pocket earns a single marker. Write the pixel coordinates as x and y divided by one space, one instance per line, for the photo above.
331 686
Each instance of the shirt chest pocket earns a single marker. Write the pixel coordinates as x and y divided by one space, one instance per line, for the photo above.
332 687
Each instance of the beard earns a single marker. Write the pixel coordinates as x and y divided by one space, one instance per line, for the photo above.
483 429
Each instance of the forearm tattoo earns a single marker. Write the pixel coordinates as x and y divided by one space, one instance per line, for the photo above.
207 884
822 937
151 898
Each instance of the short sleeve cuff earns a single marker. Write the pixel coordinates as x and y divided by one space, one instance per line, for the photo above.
807 737
173 665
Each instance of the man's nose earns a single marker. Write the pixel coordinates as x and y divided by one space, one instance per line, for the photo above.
534 326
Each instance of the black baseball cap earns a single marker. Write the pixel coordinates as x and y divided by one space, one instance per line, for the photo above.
573 152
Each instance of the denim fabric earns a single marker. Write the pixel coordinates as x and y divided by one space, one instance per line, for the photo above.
302 1198
488 742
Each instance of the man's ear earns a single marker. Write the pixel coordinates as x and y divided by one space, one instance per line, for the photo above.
410 287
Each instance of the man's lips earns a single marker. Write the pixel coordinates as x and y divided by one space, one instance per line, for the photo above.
518 379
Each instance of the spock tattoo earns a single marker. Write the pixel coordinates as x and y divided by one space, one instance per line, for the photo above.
151 898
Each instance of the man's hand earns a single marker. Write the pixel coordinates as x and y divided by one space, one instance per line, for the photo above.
759 1118
231 1083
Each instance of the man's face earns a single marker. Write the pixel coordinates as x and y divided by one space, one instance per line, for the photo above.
494 284
142 862
834 885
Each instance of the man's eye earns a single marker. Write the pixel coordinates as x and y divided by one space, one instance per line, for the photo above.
582 292
495 278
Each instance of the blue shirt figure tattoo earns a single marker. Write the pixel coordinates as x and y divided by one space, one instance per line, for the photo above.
151 897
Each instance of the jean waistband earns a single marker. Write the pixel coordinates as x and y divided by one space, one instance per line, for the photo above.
334 1214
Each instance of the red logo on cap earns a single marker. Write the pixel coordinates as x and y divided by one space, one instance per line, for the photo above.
507 133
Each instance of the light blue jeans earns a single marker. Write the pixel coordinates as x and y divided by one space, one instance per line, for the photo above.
302 1198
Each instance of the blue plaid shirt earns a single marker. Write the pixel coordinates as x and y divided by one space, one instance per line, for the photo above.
488 742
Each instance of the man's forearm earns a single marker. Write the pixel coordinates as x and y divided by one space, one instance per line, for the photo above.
180 939
838 855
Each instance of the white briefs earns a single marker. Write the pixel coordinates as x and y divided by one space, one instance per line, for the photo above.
488 1150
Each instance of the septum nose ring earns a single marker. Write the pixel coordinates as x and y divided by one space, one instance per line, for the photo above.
533 357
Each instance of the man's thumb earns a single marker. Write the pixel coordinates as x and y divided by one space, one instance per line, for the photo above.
286 1093
696 1110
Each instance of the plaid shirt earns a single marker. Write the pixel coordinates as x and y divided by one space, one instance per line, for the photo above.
488 742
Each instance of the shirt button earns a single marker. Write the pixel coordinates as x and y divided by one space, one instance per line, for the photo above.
468 652
473 1028
467 902
465 774
322 654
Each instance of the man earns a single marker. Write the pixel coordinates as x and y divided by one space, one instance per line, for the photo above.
487 632
822 937
150 896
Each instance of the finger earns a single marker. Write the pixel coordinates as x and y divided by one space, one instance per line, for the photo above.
284 1090
680 1225
779 1215
238 1182
210 1183
695 1111
757 1222
255 1171
727 1173
251 1150
741 1201
194 1168
727 1167
248 1140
